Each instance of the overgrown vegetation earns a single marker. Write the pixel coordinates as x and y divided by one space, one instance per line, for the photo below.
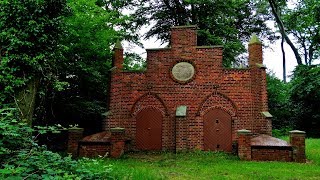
295 105
305 98
33 61
21 157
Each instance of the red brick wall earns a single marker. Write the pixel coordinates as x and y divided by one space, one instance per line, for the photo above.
244 144
74 136
240 92
271 154
94 149
297 140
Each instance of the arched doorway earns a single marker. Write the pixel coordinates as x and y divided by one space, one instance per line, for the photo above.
217 131
149 129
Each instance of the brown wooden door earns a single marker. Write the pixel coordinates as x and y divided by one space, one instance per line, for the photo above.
149 129
217 131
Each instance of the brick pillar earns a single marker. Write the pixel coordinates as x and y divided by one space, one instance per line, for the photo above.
74 136
255 51
118 56
297 140
117 142
181 133
244 144
115 89
258 87
183 36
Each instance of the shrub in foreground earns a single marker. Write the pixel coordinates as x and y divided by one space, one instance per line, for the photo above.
22 158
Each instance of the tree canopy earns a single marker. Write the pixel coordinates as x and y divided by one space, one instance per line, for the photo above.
221 22
302 22
30 49
90 35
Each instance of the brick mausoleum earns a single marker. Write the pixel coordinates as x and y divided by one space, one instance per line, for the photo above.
187 100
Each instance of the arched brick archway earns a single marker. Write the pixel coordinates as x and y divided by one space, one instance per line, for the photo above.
219 100
149 129
217 130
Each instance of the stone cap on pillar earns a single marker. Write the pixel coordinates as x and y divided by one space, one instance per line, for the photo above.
254 39
118 45
75 129
244 131
117 129
186 26
297 132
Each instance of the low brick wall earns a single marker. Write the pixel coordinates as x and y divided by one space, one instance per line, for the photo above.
74 136
267 148
94 149
107 144
267 153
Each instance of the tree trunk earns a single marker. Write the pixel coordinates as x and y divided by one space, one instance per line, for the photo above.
283 32
25 100
283 61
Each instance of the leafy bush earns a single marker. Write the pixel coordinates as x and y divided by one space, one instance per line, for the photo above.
14 135
281 132
279 103
296 104
21 157
305 97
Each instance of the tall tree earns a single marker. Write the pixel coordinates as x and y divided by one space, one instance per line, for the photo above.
305 97
279 102
30 49
274 8
303 23
91 33
221 22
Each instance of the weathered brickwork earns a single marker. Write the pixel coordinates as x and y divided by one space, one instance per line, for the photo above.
74 136
111 143
244 144
297 140
267 148
240 92
94 149
271 154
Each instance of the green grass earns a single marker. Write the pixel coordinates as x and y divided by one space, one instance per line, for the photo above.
211 165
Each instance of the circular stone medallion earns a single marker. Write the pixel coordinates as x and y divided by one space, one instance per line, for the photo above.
183 71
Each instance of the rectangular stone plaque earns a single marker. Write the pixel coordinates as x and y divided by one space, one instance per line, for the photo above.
181 111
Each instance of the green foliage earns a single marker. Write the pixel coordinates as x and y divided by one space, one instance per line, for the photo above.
296 104
281 131
29 42
221 22
23 158
91 32
279 103
39 163
134 62
303 23
305 97
14 134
